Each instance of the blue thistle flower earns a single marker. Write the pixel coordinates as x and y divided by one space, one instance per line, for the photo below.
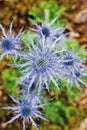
73 66
71 60
47 29
27 109
75 77
41 65
10 44
54 36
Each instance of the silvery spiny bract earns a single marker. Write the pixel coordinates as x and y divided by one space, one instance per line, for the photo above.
76 77
45 60
10 44
25 85
27 109
33 91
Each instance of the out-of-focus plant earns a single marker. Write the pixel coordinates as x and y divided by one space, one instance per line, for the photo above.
48 9
63 114
59 112
10 78
61 109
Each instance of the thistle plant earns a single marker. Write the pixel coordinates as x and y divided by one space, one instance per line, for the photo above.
74 67
27 109
46 60
47 29
40 65
10 44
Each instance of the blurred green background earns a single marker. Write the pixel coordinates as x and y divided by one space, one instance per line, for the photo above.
68 109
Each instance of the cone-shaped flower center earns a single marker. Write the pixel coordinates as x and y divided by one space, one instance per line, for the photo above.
41 63
45 31
6 44
25 111
77 74
68 61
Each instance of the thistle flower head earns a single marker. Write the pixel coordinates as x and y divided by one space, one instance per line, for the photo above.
40 66
47 30
71 60
10 44
68 60
75 77
74 68
27 109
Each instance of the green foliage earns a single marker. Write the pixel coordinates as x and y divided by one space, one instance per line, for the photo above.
72 93
10 79
72 43
51 9
25 37
61 112
69 93
77 48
